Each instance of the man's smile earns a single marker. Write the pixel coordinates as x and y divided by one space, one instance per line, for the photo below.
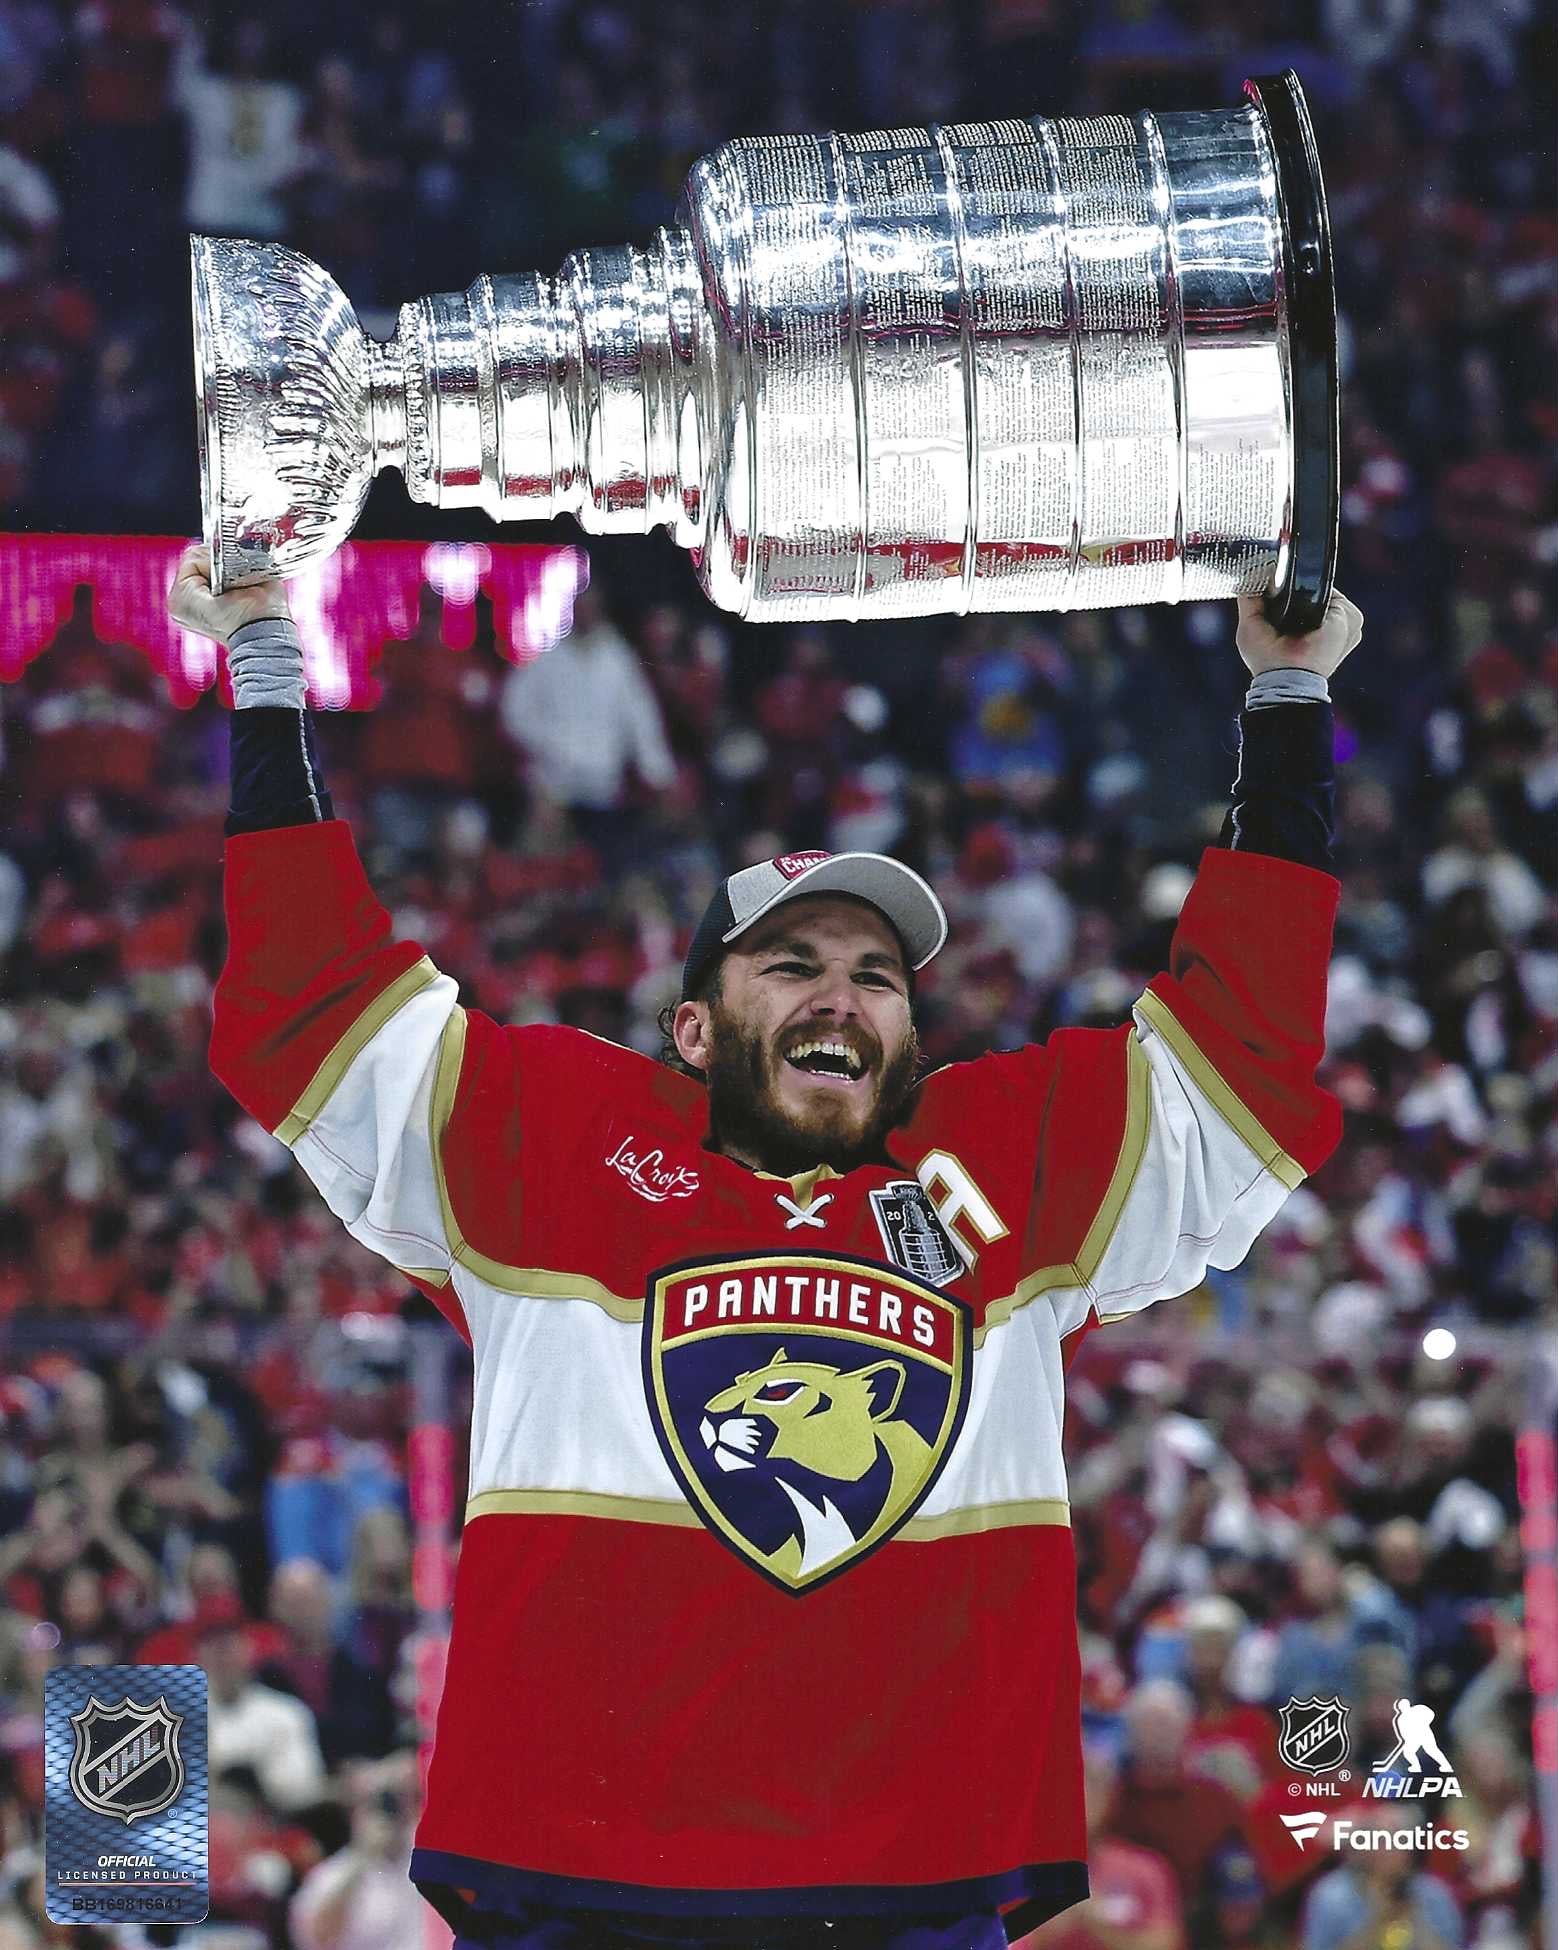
830 1061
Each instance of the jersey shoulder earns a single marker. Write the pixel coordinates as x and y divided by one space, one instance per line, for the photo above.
534 1104
558 1080
977 1100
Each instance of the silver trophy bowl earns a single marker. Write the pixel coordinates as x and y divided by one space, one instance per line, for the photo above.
1020 365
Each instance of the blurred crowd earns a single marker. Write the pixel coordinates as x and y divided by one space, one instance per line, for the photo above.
204 1389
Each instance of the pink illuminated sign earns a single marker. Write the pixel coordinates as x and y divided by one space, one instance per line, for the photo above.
347 608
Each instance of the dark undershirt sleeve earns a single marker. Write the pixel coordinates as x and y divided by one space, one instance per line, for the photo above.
1284 798
276 775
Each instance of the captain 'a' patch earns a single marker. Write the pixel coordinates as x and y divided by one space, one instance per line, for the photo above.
805 1404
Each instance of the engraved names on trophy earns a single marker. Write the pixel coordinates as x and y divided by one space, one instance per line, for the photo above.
1024 392
909 364
807 504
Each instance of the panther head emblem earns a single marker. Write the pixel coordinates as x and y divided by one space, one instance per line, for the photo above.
806 1420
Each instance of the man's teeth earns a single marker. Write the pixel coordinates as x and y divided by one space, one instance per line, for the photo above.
841 1052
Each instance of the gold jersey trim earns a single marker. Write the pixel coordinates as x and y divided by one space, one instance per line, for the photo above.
1039 1510
1053 1511
322 1084
533 1283
583 1503
1079 1272
1230 1107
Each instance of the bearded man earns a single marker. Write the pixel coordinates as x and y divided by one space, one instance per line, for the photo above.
764 1628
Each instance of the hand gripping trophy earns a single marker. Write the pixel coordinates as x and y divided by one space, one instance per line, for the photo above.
1017 365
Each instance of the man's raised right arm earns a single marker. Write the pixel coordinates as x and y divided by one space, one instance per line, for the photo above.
341 1041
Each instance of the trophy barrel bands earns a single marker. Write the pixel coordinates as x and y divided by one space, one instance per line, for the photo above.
531 397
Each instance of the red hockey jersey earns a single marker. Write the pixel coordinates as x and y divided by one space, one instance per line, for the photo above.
766 1594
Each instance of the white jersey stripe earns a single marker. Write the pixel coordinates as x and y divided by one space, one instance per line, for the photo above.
368 1145
1205 1185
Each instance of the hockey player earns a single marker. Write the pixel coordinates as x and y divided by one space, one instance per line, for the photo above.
764 1628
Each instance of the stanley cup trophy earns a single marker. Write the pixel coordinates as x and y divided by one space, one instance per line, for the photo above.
1019 365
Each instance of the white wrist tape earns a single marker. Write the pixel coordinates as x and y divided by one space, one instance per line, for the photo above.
265 662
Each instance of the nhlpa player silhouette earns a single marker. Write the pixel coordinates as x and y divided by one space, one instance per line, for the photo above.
1414 1734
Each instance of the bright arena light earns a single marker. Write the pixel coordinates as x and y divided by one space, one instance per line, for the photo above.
1438 1343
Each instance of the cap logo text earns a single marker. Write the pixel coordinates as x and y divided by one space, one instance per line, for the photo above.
792 865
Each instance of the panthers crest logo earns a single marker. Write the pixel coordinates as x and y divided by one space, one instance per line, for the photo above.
806 1405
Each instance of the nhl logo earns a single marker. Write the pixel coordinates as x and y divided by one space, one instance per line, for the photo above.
1314 1735
913 1233
806 1405
127 1761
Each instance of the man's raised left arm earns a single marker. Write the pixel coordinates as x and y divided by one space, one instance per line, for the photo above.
1219 1113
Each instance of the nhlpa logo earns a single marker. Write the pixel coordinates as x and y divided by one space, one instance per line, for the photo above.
1314 1735
913 1233
127 1760
1400 1776
805 1405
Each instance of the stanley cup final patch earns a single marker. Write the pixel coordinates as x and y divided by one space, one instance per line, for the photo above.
806 1405
913 1232
125 1808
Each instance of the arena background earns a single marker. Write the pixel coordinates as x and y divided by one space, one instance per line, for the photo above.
227 1432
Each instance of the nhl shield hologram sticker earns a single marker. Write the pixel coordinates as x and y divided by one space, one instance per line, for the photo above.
125 1813
806 1404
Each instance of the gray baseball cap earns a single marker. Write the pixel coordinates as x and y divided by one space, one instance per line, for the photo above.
897 892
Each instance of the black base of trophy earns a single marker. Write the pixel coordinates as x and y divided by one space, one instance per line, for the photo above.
1298 602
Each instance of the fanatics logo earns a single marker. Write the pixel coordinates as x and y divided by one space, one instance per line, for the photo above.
649 1174
793 864
806 1405
1304 1828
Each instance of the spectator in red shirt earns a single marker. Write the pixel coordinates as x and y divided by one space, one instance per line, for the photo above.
1491 505
800 712
1231 1740
1505 1850
127 50
178 1644
256 1855
686 666
417 749
1163 1805
1135 1902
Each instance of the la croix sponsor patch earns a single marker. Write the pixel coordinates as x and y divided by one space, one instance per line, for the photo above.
651 1174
